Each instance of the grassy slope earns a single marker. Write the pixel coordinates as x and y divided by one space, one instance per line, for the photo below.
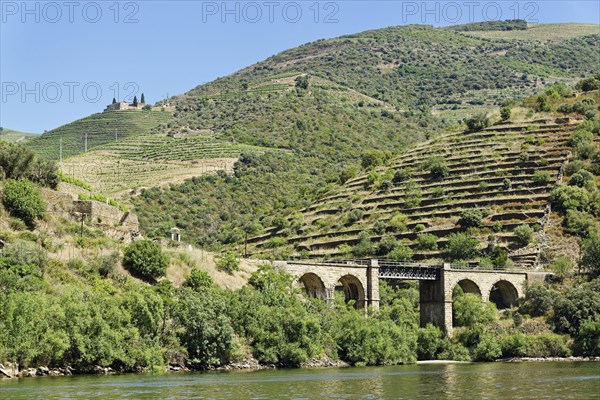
10 135
542 32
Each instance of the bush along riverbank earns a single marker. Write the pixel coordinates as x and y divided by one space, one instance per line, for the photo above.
57 321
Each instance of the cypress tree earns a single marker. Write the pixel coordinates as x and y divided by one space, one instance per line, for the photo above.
143 99
135 102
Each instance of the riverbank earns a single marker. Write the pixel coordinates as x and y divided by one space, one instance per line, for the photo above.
8 372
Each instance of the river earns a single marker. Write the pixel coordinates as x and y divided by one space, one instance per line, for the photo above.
532 380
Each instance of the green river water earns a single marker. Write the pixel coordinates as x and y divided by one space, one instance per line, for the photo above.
532 380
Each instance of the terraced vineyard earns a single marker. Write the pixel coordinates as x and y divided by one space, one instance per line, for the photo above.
160 147
112 175
506 171
153 160
101 128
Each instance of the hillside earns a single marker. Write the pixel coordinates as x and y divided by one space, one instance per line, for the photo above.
325 104
489 183
12 136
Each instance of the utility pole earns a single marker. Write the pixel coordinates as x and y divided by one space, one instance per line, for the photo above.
86 135
60 149
81 230
116 135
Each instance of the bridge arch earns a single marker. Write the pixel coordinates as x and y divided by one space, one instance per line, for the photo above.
313 285
504 294
353 289
468 286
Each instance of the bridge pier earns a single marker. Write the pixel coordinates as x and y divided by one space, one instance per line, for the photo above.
435 305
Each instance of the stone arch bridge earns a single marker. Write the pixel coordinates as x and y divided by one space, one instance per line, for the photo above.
359 281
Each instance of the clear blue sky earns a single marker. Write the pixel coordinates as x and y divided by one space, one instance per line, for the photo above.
63 60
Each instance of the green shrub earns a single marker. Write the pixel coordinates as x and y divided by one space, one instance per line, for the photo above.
373 158
590 258
471 218
198 280
541 177
462 246
562 267
453 351
574 306
477 122
587 342
145 259
429 342
364 247
17 161
573 167
23 200
538 301
387 244
514 345
437 167
369 341
505 113
398 221
427 241
468 310
572 198
523 235
205 329
579 137
588 84
580 223
229 262
401 175
488 349
105 265
581 178
400 253
548 345
354 216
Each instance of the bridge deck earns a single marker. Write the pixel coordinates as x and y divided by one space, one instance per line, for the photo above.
406 270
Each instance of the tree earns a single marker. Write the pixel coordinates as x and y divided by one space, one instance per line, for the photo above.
135 101
114 101
437 167
145 259
589 84
505 113
206 330
23 200
469 310
143 99
198 280
302 82
229 263
18 161
471 218
400 253
478 122
523 235
591 253
462 246
372 158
